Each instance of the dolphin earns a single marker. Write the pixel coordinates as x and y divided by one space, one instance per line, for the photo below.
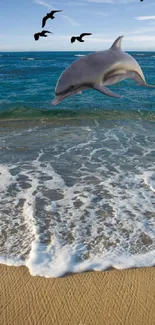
98 70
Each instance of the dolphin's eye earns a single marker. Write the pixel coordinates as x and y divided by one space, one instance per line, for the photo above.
71 88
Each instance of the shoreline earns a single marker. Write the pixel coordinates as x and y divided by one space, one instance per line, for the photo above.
113 297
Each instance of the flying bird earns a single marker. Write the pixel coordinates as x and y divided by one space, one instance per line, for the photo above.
97 71
49 15
79 38
42 34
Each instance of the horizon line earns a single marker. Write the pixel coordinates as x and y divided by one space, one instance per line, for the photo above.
18 51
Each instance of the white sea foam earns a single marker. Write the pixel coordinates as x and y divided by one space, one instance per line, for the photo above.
57 260
79 55
149 178
85 201
24 58
11 261
6 179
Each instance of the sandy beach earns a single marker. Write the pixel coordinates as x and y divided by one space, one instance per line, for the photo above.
111 297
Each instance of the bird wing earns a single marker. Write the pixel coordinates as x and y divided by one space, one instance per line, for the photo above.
85 34
36 36
54 11
46 31
44 21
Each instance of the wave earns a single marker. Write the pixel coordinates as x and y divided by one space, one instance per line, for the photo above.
142 54
5 55
79 55
80 217
24 112
23 58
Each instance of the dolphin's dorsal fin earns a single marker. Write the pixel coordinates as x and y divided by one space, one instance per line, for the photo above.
117 44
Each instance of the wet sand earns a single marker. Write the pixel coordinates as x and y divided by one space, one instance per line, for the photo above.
95 298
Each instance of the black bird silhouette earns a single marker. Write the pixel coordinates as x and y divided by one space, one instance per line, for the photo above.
37 35
49 15
79 38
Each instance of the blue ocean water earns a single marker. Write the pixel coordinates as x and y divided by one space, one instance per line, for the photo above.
27 80
77 182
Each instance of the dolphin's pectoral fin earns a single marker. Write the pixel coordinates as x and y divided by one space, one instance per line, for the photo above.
102 89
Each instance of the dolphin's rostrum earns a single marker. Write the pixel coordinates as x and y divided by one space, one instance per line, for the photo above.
98 70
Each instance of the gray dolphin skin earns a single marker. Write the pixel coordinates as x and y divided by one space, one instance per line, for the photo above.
98 70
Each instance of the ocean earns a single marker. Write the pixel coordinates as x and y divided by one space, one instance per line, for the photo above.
77 181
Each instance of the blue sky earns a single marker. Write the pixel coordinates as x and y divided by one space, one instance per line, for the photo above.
105 19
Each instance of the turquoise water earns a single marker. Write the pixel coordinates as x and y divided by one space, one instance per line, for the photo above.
77 182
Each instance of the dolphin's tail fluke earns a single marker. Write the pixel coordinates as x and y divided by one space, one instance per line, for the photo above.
147 85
